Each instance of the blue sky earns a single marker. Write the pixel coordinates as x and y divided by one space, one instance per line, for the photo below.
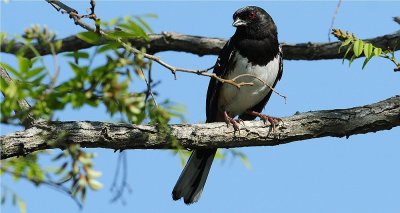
359 174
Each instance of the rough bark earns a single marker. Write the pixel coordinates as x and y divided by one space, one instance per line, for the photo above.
42 135
170 41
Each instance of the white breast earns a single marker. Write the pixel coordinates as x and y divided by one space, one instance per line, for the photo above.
236 101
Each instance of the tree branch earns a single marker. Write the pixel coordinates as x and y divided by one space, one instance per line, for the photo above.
379 116
171 41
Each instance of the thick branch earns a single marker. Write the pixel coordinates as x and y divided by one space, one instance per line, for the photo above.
383 115
170 41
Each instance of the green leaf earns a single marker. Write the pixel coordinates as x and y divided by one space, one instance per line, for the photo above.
11 70
82 182
89 37
10 45
345 43
106 47
76 54
21 205
377 51
34 72
35 59
31 47
39 79
150 15
133 109
83 195
62 168
79 71
14 199
95 185
65 178
57 157
110 23
93 173
358 47
219 155
245 161
3 196
347 52
58 44
84 160
182 158
24 64
144 24
123 34
3 36
352 59
368 50
137 29
366 61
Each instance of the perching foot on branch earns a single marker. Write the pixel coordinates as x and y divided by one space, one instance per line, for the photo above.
274 121
234 122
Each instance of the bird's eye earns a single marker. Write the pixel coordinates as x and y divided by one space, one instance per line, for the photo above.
252 15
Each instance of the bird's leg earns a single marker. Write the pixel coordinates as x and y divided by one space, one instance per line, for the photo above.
274 121
234 122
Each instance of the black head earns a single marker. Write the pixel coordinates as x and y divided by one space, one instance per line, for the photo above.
254 22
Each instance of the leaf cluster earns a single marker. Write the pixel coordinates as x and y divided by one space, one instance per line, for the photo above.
358 48
109 84
77 168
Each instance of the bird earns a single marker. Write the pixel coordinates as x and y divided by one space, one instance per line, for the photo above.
252 55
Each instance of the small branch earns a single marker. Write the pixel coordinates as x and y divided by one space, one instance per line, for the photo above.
149 90
379 116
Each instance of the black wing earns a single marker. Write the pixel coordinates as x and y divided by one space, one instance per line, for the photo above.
260 106
223 63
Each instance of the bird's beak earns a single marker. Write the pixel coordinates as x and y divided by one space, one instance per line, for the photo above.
238 22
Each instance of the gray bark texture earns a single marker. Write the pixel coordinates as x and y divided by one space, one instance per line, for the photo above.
383 115
171 41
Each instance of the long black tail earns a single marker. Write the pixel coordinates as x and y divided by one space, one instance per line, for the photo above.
193 177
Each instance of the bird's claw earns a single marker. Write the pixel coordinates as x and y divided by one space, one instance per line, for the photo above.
234 122
274 121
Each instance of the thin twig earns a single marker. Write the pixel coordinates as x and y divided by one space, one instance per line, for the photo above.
56 70
333 19
150 79
263 82
122 163
149 88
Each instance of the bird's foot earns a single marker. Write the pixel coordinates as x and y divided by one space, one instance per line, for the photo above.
234 122
274 121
